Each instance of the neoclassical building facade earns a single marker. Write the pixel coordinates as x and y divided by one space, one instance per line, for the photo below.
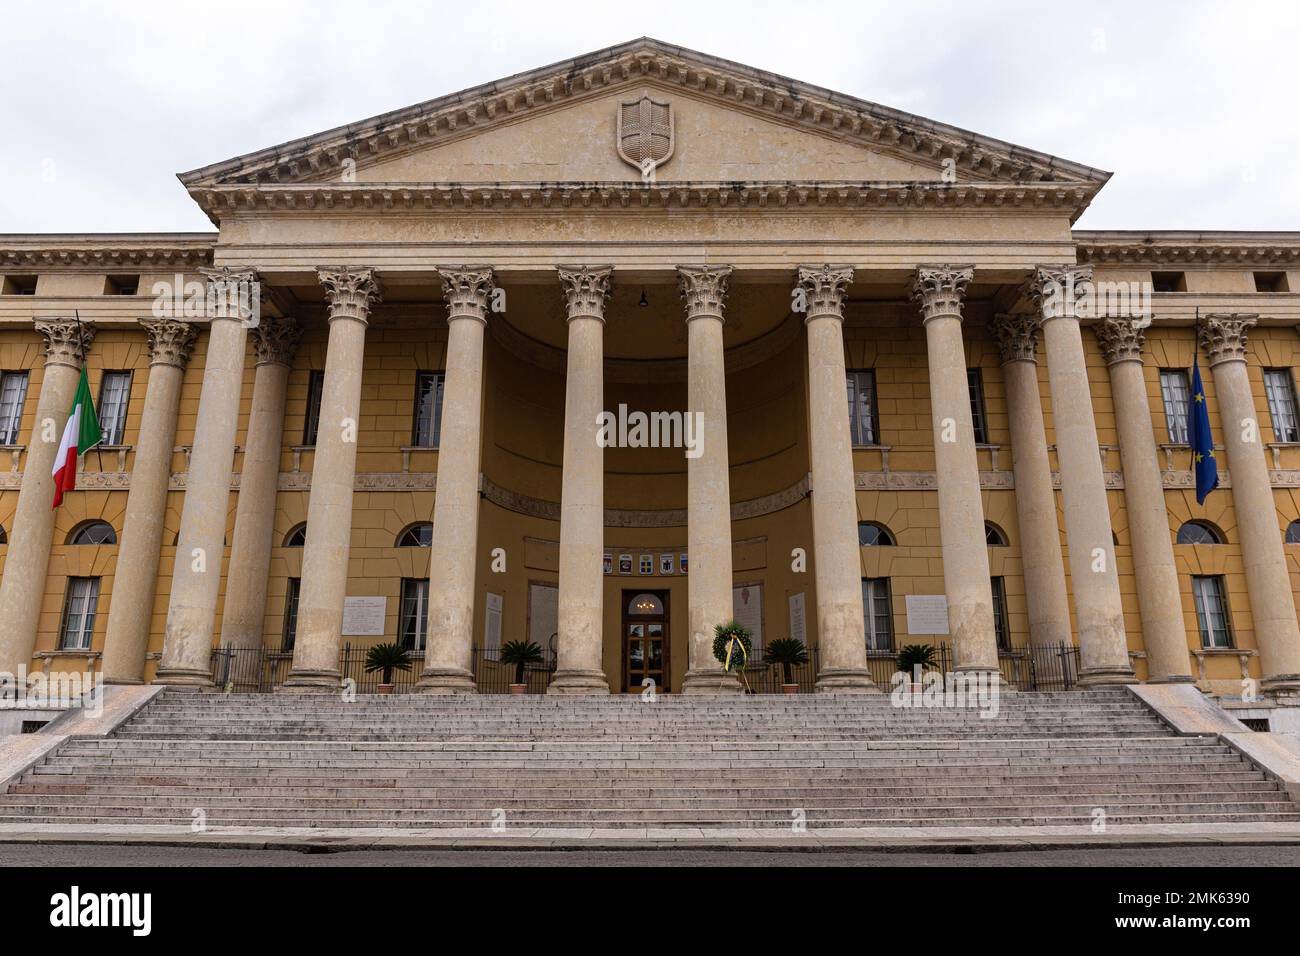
899 430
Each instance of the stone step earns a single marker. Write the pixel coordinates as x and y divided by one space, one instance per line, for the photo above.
314 802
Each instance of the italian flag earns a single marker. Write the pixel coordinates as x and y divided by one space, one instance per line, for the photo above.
80 434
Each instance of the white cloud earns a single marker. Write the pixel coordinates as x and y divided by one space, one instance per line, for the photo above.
1191 104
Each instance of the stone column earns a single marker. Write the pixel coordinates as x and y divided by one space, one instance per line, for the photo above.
350 293
22 589
275 339
1040 536
940 290
1160 600
1268 585
196 573
135 580
1103 647
448 661
580 664
708 485
837 565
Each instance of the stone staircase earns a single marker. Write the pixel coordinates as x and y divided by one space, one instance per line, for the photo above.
621 762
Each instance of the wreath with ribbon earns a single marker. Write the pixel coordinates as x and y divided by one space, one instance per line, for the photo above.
732 647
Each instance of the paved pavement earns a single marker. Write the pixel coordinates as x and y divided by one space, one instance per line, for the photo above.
89 855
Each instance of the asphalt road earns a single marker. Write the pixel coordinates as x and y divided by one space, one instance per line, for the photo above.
81 855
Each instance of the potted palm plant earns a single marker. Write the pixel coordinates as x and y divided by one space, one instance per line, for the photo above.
387 658
520 654
789 652
913 656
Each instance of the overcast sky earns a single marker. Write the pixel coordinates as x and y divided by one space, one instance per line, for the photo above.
1193 104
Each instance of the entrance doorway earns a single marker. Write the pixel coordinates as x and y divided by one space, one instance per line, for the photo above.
645 640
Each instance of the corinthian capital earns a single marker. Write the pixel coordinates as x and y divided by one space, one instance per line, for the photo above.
1121 339
233 293
1016 335
704 290
941 289
1058 291
585 290
350 292
170 341
66 341
824 290
276 340
467 291
1223 335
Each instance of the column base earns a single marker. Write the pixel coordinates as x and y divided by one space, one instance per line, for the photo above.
577 682
1281 686
446 680
184 677
711 682
311 682
1107 677
845 680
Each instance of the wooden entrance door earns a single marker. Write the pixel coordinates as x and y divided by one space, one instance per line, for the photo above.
645 640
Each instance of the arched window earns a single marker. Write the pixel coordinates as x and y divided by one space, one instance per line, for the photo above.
93 532
1199 532
994 536
871 534
416 536
645 605
1292 533
297 536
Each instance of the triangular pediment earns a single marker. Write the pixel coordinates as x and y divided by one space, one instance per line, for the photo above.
729 123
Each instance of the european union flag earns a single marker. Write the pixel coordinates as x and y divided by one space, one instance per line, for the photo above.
1198 424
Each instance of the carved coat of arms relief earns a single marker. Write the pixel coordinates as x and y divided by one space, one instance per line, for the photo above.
645 133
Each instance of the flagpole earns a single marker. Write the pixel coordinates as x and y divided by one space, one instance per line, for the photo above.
81 347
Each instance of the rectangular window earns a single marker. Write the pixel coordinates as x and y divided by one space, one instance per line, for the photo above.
79 608
415 613
114 394
428 410
17 285
1175 392
13 394
1168 282
291 613
1271 282
315 386
1000 626
863 424
1280 389
1211 610
978 415
877 615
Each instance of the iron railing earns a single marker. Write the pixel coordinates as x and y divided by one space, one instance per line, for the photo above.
260 670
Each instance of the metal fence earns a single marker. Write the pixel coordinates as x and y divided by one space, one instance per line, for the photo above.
259 670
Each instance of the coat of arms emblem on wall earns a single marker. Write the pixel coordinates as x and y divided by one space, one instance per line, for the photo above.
645 133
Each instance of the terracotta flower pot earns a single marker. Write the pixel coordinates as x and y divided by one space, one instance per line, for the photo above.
789 688
518 688
386 688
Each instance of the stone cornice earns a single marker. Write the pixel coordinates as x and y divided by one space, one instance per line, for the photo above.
186 252
219 201
740 87
1188 248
